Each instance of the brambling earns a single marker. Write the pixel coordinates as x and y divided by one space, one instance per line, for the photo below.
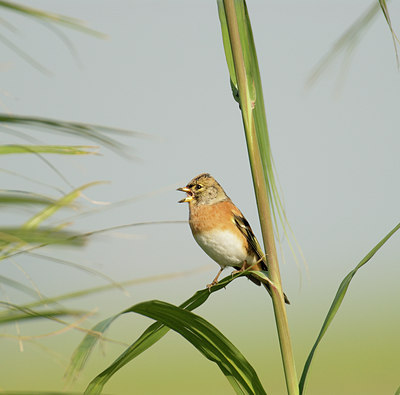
221 230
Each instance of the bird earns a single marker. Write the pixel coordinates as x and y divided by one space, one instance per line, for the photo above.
221 230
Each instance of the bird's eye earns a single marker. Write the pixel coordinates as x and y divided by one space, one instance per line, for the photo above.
198 187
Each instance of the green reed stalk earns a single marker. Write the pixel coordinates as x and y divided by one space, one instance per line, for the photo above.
247 103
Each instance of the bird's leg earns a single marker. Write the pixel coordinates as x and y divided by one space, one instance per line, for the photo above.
215 281
241 270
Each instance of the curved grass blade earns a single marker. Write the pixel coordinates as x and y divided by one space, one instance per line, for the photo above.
337 301
149 337
397 392
37 219
206 338
17 285
50 17
48 149
24 55
346 42
389 22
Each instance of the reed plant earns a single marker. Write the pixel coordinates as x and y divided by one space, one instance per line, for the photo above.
32 234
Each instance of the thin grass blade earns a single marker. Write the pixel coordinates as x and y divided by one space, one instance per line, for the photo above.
97 133
19 286
337 301
48 149
395 39
37 219
72 23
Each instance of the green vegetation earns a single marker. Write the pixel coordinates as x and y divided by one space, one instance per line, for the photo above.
35 232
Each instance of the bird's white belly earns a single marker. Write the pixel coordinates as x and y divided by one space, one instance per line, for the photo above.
224 247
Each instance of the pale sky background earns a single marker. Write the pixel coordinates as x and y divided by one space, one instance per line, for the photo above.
162 71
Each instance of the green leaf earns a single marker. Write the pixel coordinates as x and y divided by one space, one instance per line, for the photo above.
48 149
206 338
337 301
149 337
228 49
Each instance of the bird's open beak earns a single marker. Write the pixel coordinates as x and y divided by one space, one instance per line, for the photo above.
189 196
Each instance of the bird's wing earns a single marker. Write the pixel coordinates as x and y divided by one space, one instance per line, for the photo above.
245 228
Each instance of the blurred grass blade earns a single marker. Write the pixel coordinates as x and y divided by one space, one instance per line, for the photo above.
46 236
346 42
108 287
17 285
17 313
10 197
337 301
206 338
96 133
24 55
37 219
149 337
49 17
397 392
48 149
389 22
39 393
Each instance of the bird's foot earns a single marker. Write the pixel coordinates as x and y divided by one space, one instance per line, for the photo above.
209 286
241 270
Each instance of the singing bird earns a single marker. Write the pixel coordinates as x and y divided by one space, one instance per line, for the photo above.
221 230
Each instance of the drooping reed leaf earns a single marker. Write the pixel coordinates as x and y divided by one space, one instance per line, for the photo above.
206 338
149 337
337 301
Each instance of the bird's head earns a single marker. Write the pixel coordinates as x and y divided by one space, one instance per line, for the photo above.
203 189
